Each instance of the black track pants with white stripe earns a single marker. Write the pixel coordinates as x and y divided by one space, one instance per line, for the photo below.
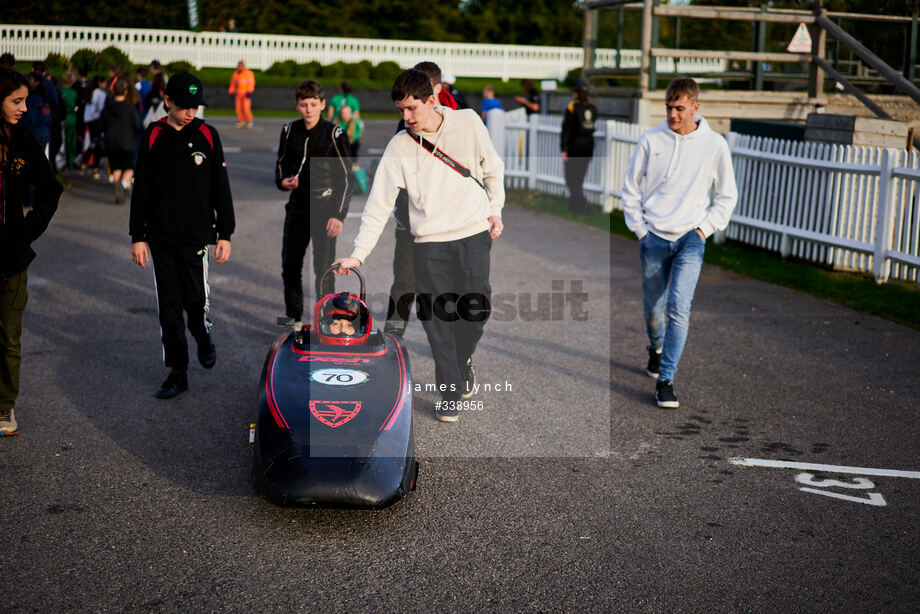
181 274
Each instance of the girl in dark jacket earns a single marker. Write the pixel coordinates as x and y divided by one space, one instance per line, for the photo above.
23 166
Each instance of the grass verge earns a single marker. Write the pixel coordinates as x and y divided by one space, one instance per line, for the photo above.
896 301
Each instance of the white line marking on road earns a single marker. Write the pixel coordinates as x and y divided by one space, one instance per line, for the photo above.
233 149
875 498
776 464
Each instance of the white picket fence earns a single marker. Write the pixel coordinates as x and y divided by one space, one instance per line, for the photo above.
533 160
225 50
855 208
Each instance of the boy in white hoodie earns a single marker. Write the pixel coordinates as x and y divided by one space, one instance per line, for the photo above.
446 162
666 201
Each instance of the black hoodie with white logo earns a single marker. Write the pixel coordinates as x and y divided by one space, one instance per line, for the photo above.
181 189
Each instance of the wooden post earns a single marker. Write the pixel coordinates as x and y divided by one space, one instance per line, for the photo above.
760 45
646 48
910 69
590 39
815 73
619 34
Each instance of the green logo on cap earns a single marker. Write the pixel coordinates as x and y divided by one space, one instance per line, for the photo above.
193 89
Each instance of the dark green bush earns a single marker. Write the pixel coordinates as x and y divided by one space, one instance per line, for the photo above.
287 68
84 60
111 57
56 63
360 70
386 71
336 70
310 69
572 76
179 66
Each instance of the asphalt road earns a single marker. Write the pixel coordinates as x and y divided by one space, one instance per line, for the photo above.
569 491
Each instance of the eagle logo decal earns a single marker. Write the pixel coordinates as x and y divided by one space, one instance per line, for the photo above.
334 413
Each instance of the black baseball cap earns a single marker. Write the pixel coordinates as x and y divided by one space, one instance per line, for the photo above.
185 90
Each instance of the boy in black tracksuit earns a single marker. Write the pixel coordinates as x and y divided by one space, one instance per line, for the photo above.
180 204
315 166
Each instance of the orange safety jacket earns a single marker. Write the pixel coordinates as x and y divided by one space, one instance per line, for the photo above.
243 82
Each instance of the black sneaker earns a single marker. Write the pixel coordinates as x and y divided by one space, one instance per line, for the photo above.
664 395
207 354
654 361
395 327
468 377
176 382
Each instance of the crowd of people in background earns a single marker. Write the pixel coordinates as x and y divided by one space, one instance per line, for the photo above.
93 124
67 115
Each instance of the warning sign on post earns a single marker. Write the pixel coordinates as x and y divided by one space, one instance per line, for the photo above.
801 42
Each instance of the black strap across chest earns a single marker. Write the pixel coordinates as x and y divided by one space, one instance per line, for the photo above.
443 157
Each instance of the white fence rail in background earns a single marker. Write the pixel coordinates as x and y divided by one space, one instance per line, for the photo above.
856 208
532 156
224 50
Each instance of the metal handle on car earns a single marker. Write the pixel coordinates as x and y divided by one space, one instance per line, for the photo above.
355 270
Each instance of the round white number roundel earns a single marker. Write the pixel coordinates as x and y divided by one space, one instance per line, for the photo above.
338 377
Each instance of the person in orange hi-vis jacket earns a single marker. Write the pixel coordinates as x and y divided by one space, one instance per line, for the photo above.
242 85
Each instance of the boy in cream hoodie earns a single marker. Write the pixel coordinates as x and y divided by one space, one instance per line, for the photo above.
446 162
666 201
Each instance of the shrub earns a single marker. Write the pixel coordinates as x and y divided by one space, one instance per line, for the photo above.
56 63
112 56
287 68
386 71
336 70
360 70
179 66
572 76
84 60
310 70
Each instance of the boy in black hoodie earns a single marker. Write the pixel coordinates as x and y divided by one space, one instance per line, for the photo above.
180 204
315 166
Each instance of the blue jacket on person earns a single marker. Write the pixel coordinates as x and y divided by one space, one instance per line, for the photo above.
38 116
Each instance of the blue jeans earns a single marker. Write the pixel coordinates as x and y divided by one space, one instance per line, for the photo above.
670 270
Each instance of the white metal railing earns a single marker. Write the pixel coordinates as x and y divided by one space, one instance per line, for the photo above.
851 207
225 50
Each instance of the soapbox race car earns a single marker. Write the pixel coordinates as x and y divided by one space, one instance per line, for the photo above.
334 425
